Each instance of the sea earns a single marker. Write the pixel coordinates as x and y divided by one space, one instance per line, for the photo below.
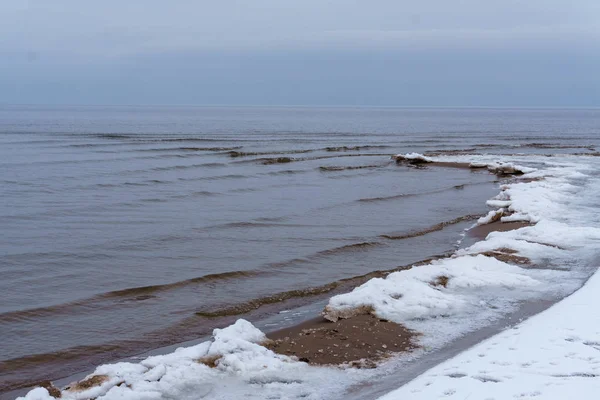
125 229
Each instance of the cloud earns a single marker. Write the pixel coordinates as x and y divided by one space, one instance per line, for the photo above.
115 28
379 52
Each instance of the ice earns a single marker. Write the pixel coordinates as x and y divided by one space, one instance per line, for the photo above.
232 364
501 167
413 157
491 217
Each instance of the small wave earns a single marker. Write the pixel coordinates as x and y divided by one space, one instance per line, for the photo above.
450 152
23 372
257 303
213 165
263 223
340 285
111 135
214 178
270 219
287 172
190 166
215 149
283 160
219 177
245 190
149 182
123 294
190 139
154 200
235 154
88 145
346 168
349 247
200 193
433 228
204 193
556 146
416 194
143 290
356 148
245 225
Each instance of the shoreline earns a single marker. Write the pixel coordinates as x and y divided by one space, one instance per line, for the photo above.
315 339
377 338
373 339
369 332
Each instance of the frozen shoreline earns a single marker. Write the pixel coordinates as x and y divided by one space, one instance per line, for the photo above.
552 355
556 242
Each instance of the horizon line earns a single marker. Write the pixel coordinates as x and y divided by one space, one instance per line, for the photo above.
540 107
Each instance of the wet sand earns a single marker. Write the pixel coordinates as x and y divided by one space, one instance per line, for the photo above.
481 231
358 342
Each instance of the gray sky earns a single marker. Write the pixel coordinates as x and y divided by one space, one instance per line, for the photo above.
312 52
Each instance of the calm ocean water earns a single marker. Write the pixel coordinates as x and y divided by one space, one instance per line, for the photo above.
128 228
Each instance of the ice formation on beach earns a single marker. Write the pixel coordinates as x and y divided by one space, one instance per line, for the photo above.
502 167
228 366
443 300
413 157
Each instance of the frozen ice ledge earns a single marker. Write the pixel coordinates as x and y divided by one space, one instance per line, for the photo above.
549 256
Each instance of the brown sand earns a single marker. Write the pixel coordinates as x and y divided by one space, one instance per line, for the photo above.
85 384
481 231
52 390
508 257
359 341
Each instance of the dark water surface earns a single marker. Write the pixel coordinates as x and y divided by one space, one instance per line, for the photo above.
128 228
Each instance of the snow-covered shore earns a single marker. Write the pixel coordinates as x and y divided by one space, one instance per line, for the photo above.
443 300
553 355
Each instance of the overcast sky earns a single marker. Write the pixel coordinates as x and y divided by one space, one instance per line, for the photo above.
309 52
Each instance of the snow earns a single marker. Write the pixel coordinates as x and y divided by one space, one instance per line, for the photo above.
414 156
242 368
554 355
546 356
491 217
502 167
414 294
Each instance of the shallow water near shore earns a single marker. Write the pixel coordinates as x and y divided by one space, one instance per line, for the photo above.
130 228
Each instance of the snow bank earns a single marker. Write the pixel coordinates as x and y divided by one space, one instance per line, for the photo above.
232 364
448 286
554 355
